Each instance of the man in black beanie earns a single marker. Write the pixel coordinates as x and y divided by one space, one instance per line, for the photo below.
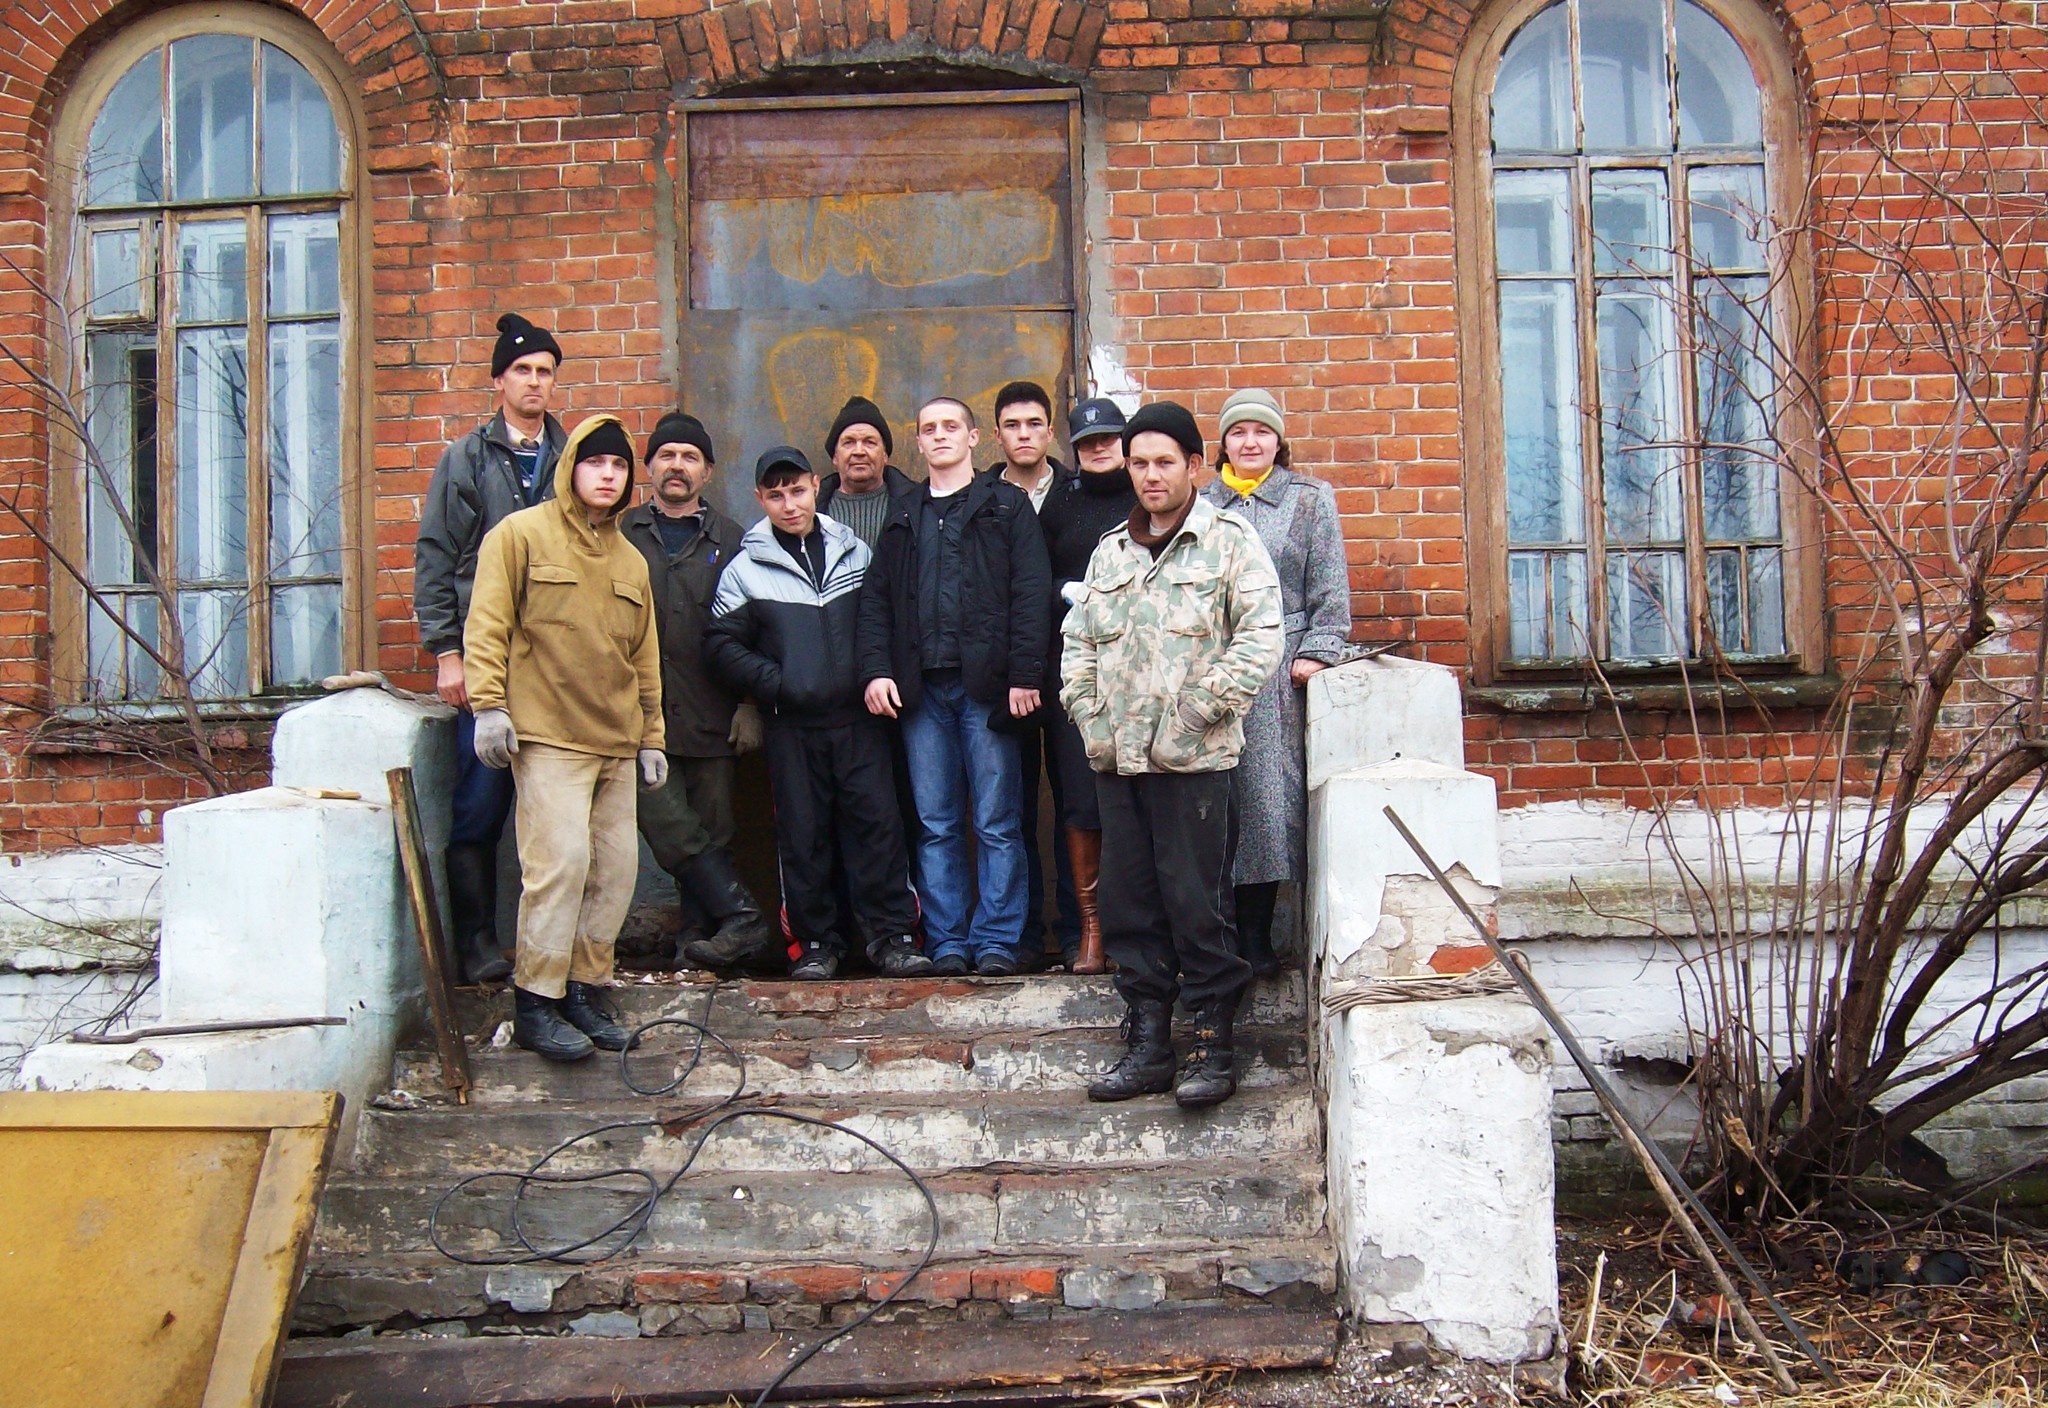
688 821
858 490
504 465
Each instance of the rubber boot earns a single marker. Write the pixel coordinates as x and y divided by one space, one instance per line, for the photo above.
1255 927
1084 850
473 913
1147 1064
580 1008
744 941
538 1025
1209 1075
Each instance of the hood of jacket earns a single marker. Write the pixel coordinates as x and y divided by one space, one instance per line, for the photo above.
565 485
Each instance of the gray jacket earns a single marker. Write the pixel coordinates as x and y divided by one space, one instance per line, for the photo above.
475 487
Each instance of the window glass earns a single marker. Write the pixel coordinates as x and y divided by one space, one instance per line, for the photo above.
301 145
213 117
1533 222
1532 98
124 159
1728 216
1718 101
1625 86
1631 223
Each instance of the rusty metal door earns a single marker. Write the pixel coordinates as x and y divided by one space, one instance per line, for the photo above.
896 248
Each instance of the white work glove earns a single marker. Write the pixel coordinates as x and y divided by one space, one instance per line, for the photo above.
495 740
653 767
1073 592
745 733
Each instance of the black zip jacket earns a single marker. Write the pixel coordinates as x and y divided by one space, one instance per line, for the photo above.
1004 597
475 488
786 641
696 706
1079 511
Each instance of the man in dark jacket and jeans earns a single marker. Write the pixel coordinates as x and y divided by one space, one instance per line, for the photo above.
782 629
504 465
953 637
688 821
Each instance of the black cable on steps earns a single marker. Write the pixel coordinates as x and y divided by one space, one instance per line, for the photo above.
706 1120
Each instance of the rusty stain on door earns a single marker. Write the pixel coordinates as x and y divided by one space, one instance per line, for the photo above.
896 250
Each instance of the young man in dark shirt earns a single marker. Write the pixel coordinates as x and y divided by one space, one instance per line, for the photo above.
782 632
953 638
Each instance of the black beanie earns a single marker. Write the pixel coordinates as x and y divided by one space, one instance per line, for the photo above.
607 438
1169 418
859 410
518 338
680 428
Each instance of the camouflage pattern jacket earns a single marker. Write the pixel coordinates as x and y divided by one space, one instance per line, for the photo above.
1155 644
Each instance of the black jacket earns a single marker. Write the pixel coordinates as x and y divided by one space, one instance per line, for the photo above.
893 479
696 706
1004 625
1079 511
777 636
475 488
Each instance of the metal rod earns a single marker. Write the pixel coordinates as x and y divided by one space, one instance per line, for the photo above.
1669 1183
253 1024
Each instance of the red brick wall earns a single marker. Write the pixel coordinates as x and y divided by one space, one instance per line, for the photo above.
1276 177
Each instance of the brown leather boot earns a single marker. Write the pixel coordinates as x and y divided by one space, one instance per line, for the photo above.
1084 849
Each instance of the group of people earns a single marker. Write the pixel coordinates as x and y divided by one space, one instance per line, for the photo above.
910 654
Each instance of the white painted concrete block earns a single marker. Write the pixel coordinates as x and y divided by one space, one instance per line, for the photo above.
1441 1176
1380 711
346 742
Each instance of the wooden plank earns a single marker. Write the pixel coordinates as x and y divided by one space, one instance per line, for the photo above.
419 884
875 1361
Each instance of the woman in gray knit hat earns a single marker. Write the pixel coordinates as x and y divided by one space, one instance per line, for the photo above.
1296 519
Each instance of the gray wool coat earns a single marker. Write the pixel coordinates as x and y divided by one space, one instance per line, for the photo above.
1296 517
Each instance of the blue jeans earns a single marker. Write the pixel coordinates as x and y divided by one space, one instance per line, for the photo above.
956 763
483 796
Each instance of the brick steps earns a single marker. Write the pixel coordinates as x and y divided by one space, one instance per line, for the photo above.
1049 1206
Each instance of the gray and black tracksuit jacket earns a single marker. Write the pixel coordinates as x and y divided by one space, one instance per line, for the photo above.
785 639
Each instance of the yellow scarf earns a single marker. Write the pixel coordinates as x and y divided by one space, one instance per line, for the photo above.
1242 487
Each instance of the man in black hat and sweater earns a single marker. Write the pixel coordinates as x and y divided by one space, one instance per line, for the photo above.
858 490
504 465
688 821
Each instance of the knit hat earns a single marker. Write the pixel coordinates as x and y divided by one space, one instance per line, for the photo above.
518 338
781 457
859 410
1253 406
1100 416
680 428
1169 418
607 437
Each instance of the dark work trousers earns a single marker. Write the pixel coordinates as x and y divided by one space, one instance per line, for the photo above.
1073 781
1032 745
669 818
483 796
1168 919
835 796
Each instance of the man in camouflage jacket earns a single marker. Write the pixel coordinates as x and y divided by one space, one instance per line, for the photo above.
1176 629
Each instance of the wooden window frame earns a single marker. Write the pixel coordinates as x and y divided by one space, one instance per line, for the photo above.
1785 131
67 328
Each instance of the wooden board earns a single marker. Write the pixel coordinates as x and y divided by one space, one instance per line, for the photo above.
154 1242
426 920
877 1360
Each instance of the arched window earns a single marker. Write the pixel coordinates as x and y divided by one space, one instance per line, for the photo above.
1635 329
209 249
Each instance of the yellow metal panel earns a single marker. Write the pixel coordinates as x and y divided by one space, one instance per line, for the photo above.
152 1243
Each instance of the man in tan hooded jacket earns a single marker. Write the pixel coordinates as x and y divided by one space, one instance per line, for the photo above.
564 673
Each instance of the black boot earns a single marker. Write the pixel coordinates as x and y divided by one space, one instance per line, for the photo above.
744 941
473 913
899 957
1255 927
1147 1066
1209 1075
538 1026
580 1008
816 964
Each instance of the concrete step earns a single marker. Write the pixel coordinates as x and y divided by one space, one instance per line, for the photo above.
827 1067
784 1011
685 1295
975 1131
855 1217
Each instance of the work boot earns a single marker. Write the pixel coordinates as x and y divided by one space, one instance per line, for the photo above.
816 964
538 1025
744 941
899 958
996 964
1209 1075
1255 927
953 965
582 1010
1147 1064
473 913
1084 850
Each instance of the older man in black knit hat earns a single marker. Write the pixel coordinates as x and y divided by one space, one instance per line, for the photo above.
504 465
